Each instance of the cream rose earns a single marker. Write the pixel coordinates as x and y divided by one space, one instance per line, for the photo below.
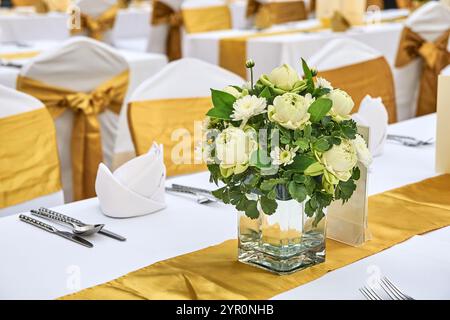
339 161
233 149
235 92
291 110
342 104
283 79
364 155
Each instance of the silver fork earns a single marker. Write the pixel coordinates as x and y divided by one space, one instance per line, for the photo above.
393 292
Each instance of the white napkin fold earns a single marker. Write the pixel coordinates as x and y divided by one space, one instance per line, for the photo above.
372 113
134 189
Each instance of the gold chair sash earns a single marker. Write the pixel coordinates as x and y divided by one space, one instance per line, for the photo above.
372 77
86 141
156 121
267 14
379 3
29 163
214 273
96 27
435 57
194 20
24 3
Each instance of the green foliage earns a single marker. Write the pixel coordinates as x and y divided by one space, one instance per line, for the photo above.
223 105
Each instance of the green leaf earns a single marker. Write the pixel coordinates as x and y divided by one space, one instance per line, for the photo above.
251 209
223 105
260 159
301 163
306 71
265 93
315 169
297 191
302 143
319 109
356 173
269 184
321 145
345 189
269 206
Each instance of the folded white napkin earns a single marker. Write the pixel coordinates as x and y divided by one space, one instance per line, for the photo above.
372 113
134 189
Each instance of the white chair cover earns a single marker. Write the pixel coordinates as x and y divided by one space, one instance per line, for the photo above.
341 53
191 77
81 64
429 21
12 103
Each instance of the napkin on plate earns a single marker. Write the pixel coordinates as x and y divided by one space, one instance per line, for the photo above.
372 113
134 189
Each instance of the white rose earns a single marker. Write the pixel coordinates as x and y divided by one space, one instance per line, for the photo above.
291 110
247 107
340 161
235 92
284 77
342 104
362 151
233 149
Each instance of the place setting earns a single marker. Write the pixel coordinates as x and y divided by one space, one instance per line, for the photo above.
253 155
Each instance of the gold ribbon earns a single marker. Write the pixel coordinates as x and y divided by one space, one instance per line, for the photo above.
19 55
29 163
164 14
373 77
96 27
171 123
24 3
270 13
194 20
378 3
214 273
86 141
435 57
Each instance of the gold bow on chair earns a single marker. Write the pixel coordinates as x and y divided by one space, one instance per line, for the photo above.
164 14
435 57
202 19
267 14
86 139
96 27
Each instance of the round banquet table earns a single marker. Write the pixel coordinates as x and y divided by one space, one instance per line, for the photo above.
37 265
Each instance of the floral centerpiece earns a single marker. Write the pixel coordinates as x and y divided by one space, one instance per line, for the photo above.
283 149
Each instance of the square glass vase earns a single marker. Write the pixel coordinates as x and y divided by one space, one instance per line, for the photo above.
284 242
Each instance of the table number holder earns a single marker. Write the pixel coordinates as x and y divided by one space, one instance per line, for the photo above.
348 223
442 128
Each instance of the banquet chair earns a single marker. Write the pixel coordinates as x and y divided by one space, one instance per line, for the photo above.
358 69
29 165
97 18
83 84
422 53
159 113
172 20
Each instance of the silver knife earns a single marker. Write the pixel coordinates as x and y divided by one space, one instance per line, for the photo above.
193 189
70 219
51 229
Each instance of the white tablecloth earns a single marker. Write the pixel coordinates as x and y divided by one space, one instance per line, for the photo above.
38 265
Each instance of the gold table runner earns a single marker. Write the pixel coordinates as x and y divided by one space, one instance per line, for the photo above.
233 50
19 55
215 273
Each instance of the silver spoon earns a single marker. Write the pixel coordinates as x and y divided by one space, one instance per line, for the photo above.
82 230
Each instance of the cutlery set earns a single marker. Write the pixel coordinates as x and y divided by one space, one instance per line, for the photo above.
409 141
203 196
79 229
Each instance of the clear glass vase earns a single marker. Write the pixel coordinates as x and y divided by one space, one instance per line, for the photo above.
284 242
